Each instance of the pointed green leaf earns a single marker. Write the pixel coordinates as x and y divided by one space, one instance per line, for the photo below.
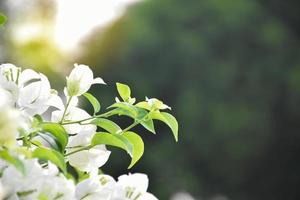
148 124
2 19
168 119
113 140
52 156
58 132
138 146
129 141
124 91
19 165
107 125
95 103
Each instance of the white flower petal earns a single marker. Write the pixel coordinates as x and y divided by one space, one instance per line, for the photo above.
56 102
138 181
147 196
96 188
117 99
89 160
98 80
81 139
27 75
80 80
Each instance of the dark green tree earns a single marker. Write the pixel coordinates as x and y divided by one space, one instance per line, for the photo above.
232 71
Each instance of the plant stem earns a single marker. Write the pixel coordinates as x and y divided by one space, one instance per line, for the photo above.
65 111
80 149
107 114
135 123
131 126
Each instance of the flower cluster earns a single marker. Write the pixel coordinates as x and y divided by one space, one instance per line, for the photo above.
56 153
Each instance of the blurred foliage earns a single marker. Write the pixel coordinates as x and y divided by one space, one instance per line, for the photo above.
231 71
2 19
26 40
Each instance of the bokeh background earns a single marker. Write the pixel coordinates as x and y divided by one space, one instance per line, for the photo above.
230 69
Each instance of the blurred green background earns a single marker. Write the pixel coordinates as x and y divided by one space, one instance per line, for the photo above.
230 69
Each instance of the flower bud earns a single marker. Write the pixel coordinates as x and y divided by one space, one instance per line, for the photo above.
80 80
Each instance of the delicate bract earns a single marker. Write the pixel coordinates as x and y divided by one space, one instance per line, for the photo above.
30 91
89 160
34 97
86 160
80 80
9 75
99 187
147 196
132 187
37 183
10 121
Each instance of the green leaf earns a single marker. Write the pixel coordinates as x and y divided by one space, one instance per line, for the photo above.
125 108
131 142
138 146
144 104
124 91
95 103
58 132
168 119
51 155
113 140
19 165
107 125
2 19
148 124
141 113
47 140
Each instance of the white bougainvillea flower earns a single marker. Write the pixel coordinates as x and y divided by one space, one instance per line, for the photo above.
86 160
30 91
37 183
10 72
9 75
34 97
56 187
99 187
80 80
10 121
89 160
132 187
153 104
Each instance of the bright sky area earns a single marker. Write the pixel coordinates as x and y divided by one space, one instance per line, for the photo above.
76 18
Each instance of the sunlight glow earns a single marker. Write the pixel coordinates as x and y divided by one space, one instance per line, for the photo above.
75 19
